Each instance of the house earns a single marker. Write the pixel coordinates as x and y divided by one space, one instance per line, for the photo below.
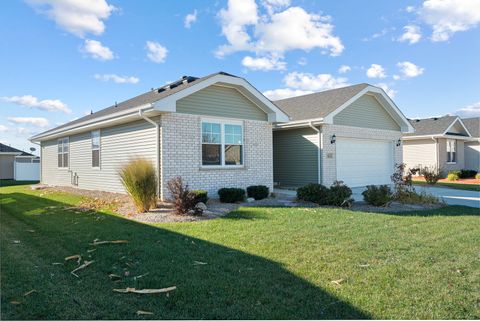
214 132
11 164
440 142
472 147
351 134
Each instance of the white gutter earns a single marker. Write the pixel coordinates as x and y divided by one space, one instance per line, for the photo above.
320 148
157 147
300 123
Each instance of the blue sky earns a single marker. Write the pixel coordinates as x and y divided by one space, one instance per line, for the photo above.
61 59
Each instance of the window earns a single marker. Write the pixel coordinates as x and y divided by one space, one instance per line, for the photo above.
222 143
96 148
62 144
451 151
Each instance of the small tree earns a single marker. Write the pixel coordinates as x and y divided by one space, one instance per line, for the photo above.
140 181
431 174
403 181
183 199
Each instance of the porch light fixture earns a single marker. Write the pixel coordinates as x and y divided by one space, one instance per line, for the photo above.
399 142
333 139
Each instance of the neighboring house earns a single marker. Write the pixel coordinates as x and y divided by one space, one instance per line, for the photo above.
351 134
438 142
10 157
214 132
472 147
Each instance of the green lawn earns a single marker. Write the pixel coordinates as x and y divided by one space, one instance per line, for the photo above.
272 263
468 187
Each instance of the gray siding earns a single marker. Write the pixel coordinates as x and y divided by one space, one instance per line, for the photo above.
221 102
442 155
295 157
118 144
419 153
472 155
6 166
366 112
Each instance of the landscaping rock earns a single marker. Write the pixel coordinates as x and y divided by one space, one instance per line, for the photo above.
201 206
250 200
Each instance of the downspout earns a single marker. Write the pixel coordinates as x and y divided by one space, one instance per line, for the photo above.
157 147
320 148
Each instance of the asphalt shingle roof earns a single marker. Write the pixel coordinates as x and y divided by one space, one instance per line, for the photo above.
319 104
8 149
431 126
473 126
145 98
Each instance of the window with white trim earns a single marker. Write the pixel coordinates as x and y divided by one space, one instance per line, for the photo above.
222 143
62 151
451 151
95 148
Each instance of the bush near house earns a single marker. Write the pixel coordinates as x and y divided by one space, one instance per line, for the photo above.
477 176
431 174
200 196
140 181
183 199
337 195
377 195
467 173
231 195
258 192
453 175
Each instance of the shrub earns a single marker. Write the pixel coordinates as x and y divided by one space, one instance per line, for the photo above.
258 192
140 181
377 195
231 195
477 176
315 193
200 196
339 194
467 173
403 181
431 174
183 199
417 198
453 175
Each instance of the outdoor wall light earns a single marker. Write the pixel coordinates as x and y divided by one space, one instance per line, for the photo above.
333 139
399 142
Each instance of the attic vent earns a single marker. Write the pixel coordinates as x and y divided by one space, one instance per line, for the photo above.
116 104
160 90
417 120
435 118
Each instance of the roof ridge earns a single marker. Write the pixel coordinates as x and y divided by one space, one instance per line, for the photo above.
324 91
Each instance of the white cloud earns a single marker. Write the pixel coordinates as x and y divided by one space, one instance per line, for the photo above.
344 69
35 121
156 52
309 82
78 17
412 34
264 63
447 17
275 32
34 102
117 79
96 50
376 35
390 92
408 70
376 71
469 111
4 129
277 94
410 9
190 19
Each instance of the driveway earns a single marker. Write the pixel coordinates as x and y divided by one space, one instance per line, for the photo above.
449 195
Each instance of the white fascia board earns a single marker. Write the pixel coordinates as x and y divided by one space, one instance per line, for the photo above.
300 123
169 103
10 153
405 125
93 124
438 136
461 123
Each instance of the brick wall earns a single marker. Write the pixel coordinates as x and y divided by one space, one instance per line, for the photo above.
181 156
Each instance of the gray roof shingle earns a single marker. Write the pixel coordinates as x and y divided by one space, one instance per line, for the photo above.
319 104
431 126
145 98
473 126
8 149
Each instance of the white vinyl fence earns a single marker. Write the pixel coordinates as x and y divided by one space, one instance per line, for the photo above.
26 171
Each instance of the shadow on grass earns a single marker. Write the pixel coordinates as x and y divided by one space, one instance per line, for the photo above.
213 281
11 182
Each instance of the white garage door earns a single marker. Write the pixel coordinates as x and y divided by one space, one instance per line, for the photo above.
364 162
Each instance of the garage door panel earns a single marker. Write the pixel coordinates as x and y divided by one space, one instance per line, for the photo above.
364 162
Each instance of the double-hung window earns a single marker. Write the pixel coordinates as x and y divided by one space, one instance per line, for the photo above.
451 151
222 143
62 145
95 148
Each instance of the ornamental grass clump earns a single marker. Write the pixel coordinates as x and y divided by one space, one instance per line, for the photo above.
140 181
